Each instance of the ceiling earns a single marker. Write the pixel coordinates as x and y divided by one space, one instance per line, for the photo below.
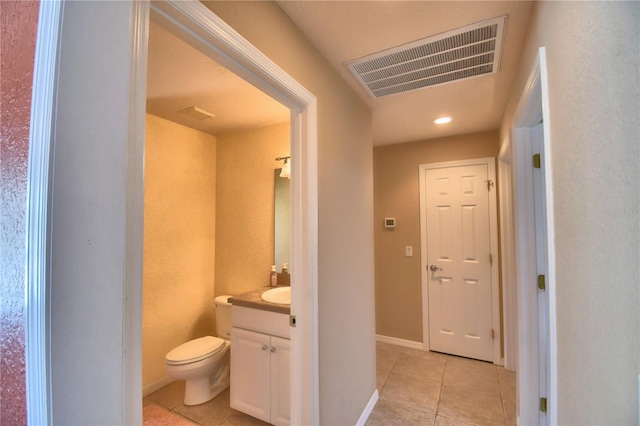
180 76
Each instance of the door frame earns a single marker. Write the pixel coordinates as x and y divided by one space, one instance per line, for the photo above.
493 229
533 108
229 48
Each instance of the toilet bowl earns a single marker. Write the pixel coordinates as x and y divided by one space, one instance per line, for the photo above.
203 363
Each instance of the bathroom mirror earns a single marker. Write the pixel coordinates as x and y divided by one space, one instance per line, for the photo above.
282 237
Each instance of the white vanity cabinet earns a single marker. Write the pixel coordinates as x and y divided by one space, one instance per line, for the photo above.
260 364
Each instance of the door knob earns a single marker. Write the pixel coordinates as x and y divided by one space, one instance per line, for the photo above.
434 268
273 349
265 347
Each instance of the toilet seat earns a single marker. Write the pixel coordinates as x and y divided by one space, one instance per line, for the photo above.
195 350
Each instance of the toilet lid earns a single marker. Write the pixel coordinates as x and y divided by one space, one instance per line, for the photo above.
195 350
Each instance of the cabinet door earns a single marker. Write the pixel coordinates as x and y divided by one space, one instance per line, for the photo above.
280 381
250 381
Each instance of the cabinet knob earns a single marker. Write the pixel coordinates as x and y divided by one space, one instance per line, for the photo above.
273 349
264 347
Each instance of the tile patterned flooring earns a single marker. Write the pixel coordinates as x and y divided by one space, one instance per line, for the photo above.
428 388
416 388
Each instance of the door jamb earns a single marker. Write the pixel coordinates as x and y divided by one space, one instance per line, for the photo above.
533 108
493 224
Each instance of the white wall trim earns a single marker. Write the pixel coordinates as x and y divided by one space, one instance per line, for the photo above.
368 409
37 307
201 28
400 342
490 162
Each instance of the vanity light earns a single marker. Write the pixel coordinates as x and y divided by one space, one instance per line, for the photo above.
286 167
442 120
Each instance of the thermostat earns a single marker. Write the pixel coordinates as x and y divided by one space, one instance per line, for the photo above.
390 222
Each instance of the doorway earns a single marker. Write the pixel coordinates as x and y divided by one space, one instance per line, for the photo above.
113 254
459 273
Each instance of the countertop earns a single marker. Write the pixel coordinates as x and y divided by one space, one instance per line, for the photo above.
252 299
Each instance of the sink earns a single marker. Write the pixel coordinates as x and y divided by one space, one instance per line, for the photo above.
279 296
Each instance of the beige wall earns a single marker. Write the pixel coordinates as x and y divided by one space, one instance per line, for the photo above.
592 63
245 206
396 194
345 210
179 241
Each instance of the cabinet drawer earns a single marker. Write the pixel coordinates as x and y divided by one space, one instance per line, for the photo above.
261 321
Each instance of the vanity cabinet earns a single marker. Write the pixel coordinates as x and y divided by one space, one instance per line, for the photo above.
260 365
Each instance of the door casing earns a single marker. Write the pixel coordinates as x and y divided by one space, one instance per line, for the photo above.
493 224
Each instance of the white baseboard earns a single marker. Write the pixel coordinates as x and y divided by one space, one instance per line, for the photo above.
154 386
400 342
368 409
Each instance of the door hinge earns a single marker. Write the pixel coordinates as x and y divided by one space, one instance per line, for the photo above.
493 334
543 405
536 161
490 259
489 184
541 283
292 320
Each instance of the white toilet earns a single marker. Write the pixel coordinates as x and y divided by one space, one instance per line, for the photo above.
204 363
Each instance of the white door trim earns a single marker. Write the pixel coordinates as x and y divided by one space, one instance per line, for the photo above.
37 328
507 260
493 224
533 108
230 49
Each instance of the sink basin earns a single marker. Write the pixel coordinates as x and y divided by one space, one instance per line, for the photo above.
279 295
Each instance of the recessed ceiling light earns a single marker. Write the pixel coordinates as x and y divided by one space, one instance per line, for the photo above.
442 120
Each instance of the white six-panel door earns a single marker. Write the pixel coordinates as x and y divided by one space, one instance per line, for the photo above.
458 260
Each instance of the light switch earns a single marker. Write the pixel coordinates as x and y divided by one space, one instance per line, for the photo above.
408 251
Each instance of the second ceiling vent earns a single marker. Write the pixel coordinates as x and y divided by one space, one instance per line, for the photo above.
459 54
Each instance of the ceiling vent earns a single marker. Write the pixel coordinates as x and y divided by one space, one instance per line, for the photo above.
455 55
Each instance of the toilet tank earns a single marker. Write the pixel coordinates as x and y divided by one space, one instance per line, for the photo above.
223 317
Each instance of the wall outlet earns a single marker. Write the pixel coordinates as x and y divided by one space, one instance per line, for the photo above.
408 251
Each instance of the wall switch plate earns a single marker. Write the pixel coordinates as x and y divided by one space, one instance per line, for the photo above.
408 251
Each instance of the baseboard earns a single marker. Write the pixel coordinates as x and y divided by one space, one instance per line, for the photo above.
400 342
158 384
368 409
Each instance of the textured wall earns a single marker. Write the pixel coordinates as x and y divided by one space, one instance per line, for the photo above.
346 318
245 206
594 106
397 194
18 22
179 241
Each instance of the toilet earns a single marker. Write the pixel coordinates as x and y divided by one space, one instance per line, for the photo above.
204 362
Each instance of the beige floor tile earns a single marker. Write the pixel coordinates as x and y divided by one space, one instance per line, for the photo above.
170 396
446 421
211 413
470 405
386 355
424 354
430 368
477 375
241 419
510 416
381 379
507 381
387 413
413 391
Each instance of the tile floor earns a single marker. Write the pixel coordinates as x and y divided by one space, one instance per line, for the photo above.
416 388
428 388
213 413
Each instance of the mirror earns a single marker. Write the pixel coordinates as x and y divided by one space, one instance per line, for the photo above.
282 237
